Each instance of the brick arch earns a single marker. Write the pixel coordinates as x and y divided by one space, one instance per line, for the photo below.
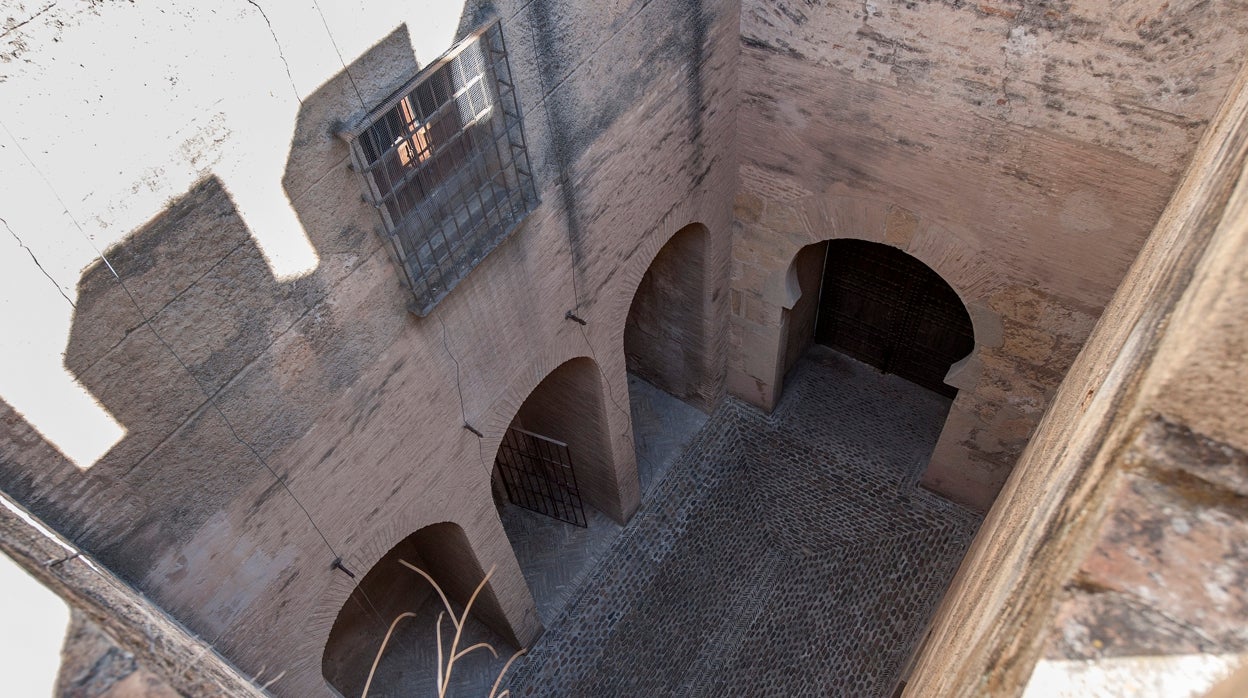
487 542
766 291
442 549
666 326
569 403
958 260
643 259
634 268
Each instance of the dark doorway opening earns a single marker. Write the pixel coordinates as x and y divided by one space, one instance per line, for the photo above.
887 309
411 657
665 351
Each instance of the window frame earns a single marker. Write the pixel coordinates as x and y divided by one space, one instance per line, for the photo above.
447 197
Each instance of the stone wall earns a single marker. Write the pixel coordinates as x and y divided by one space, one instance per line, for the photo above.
1120 533
1021 150
118 643
322 376
807 272
663 339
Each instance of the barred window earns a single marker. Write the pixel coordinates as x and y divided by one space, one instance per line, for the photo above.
445 163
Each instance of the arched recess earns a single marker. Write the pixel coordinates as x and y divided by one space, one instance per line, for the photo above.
669 348
766 290
569 406
881 306
390 589
969 462
665 332
558 519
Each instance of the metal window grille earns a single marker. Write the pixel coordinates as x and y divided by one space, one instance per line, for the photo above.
537 473
445 163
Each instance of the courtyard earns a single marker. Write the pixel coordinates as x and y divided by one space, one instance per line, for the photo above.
789 554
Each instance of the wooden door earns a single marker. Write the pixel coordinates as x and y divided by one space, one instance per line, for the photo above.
888 309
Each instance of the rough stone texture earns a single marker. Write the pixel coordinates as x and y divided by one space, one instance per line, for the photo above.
1166 574
1174 538
1022 150
1122 528
788 554
1136 77
93 666
119 644
356 405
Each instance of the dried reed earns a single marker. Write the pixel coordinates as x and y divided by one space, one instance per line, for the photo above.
446 662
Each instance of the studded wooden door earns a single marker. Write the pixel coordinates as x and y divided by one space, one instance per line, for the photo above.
888 309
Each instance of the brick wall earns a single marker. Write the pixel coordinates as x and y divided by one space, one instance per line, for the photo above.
357 405
1022 151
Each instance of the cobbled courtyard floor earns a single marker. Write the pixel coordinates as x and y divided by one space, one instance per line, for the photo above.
788 554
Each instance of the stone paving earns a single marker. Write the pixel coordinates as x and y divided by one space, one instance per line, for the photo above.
556 557
782 555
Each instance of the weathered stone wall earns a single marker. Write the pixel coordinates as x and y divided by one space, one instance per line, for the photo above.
355 404
118 642
1121 532
1022 150
663 339
570 406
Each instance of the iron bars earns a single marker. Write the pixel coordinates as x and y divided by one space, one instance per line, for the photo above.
445 163
537 473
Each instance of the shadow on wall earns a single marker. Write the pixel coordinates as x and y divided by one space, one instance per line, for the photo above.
664 336
270 352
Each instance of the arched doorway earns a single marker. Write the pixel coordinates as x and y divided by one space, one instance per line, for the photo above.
666 354
664 333
409 664
888 309
881 306
554 479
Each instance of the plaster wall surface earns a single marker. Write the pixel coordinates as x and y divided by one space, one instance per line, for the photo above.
1021 150
309 357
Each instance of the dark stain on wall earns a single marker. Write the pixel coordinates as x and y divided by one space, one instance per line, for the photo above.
581 105
695 59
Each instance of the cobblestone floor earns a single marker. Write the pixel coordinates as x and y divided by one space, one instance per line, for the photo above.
782 555
556 557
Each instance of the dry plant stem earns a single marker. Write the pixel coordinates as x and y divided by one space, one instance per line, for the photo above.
501 674
438 633
382 649
459 631
478 646
451 656
445 602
